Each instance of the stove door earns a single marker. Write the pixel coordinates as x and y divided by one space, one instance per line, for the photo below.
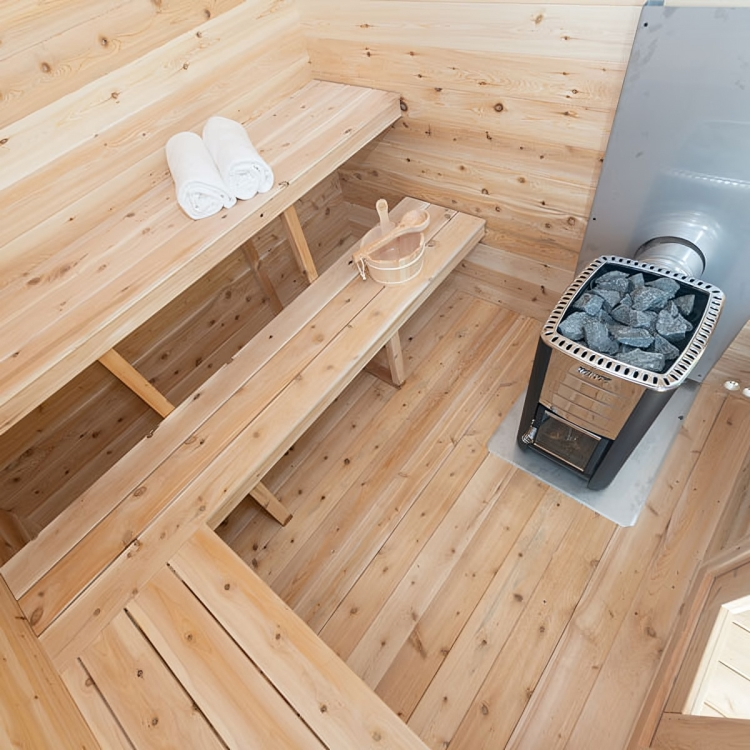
566 442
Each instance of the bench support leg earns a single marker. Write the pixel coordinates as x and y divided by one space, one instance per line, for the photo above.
125 372
393 374
299 243
251 255
395 359
266 499
13 535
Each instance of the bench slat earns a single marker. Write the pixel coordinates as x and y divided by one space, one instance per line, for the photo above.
223 482
143 693
230 690
97 714
339 707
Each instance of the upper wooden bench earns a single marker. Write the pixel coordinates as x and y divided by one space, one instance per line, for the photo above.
81 270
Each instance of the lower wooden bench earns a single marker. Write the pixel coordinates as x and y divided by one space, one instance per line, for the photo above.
210 451
206 655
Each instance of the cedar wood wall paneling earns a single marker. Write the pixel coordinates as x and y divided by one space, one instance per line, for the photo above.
52 48
507 107
507 111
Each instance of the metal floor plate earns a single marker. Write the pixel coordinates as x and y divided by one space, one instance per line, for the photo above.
625 497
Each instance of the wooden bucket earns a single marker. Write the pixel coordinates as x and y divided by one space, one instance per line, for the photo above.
400 261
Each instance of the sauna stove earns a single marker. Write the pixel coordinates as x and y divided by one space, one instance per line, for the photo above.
671 213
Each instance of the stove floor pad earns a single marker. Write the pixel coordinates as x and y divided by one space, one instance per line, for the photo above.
624 498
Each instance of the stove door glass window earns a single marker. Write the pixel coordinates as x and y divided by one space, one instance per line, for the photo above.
565 441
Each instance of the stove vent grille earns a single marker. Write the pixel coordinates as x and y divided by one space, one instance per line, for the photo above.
680 368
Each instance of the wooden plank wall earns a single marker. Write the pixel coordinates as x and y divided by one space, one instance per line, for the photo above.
51 49
507 109
507 106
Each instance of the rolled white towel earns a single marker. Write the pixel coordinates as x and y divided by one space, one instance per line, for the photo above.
200 190
240 165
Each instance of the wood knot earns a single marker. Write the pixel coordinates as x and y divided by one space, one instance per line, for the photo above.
499 107
36 615
404 106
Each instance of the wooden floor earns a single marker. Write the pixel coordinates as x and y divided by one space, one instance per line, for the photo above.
487 609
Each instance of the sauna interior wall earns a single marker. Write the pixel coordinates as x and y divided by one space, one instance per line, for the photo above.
506 112
507 107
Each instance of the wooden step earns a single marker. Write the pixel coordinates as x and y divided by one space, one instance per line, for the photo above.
206 655
342 711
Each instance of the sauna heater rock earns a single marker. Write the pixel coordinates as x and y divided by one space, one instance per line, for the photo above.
622 338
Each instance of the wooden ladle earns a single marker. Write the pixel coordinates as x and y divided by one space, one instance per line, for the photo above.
385 221
415 220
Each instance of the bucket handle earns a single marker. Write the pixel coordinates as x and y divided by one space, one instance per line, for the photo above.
361 266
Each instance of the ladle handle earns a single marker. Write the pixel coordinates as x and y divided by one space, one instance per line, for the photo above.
385 223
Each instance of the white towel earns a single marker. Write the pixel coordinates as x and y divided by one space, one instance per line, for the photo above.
200 190
241 167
